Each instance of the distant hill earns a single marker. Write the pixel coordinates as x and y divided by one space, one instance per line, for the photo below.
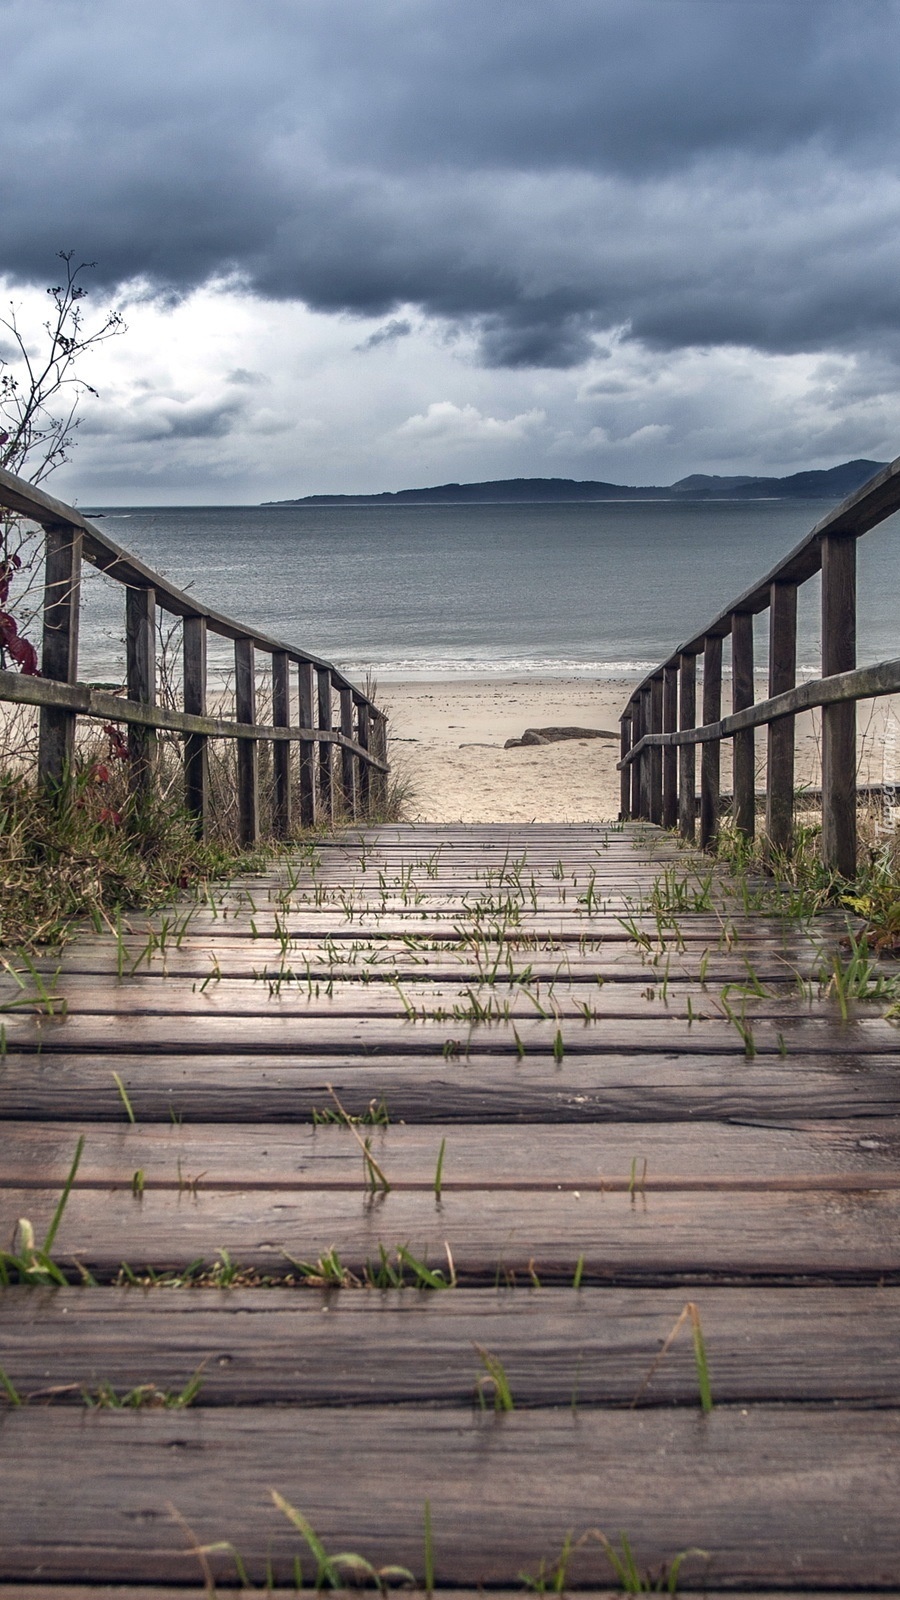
833 484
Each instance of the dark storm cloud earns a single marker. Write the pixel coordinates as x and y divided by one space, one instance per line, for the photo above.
700 171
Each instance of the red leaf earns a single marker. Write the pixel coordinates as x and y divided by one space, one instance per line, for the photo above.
118 747
23 651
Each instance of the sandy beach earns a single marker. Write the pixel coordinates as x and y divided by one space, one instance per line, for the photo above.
447 738
447 741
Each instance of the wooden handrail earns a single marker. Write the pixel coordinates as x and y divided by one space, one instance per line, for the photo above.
863 683
858 514
361 736
103 705
118 563
647 721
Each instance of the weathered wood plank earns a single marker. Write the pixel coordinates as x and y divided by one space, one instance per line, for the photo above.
107 1591
326 765
247 753
440 961
710 753
59 654
196 764
678 1154
660 1238
766 1491
839 721
303 1036
780 735
130 570
140 669
465 1088
278 1346
365 993
281 751
744 750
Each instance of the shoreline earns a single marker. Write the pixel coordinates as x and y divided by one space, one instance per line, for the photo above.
447 737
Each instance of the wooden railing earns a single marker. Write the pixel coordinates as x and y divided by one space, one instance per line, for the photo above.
659 724
361 738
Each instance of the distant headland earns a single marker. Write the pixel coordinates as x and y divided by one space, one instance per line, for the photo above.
833 484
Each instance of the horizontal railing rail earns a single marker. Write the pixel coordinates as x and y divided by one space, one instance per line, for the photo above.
360 737
659 727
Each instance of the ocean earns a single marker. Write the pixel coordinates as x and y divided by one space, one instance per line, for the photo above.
415 591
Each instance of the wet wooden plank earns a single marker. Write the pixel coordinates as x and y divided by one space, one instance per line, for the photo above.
313 995
822 1034
679 1154
112 1591
764 1490
462 1087
652 1238
387 960
557 1347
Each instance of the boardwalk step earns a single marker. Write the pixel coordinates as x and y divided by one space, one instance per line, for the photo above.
823 1235
765 1490
599 1168
642 1155
599 1346
653 1087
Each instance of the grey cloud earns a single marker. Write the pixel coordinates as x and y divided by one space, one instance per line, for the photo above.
164 418
397 328
697 171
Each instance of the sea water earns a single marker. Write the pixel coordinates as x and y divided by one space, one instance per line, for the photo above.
404 591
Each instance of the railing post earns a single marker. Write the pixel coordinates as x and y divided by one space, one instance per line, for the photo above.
670 752
655 765
687 753
362 737
59 654
646 725
326 768
637 734
196 765
247 753
710 751
743 744
625 772
839 721
383 756
308 808
780 742
140 679
379 747
281 748
348 759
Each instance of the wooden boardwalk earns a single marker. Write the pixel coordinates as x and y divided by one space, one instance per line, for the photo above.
630 1094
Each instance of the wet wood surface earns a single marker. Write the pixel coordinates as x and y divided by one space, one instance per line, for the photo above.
767 1492
599 1347
613 1083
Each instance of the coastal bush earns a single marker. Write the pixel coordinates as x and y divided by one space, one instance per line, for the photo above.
92 853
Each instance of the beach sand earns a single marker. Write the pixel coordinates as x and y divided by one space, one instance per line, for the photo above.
447 742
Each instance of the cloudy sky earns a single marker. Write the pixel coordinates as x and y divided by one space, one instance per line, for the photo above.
365 244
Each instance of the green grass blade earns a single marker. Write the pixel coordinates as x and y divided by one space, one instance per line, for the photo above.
123 1095
12 1393
706 1399
63 1199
